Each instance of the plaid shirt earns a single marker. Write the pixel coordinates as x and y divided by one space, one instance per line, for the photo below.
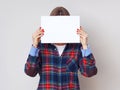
60 72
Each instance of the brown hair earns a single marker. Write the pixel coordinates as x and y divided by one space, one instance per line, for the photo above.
59 11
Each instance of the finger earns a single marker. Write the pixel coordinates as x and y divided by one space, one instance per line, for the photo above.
42 30
83 36
39 32
82 33
78 30
39 36
83 39
39 29
81 28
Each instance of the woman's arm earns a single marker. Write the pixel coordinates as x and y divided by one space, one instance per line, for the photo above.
33 61
32 64
86 60
87 65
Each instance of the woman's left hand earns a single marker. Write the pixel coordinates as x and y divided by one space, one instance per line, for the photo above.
83 37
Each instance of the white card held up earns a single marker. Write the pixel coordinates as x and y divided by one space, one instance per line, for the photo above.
60 29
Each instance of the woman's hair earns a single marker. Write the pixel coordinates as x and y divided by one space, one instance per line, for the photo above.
59 11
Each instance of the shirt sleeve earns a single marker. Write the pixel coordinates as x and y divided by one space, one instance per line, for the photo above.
87 63
33 62
86 52
34 51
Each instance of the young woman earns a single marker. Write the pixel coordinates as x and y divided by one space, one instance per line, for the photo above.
58 63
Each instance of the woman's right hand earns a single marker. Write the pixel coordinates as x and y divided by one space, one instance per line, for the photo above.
36 37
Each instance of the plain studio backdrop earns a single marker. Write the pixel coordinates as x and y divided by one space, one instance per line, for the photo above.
19 19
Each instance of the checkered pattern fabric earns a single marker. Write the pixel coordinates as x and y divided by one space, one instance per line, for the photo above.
60 72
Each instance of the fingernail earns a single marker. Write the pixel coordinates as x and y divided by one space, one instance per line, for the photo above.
42 30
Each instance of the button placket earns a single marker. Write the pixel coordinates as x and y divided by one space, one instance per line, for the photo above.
60 66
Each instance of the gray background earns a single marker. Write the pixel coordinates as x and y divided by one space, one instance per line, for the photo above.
19 19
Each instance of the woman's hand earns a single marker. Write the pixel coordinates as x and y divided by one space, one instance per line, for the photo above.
83 37
36 37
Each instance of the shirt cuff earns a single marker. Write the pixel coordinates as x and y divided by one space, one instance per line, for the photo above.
34 51
86 52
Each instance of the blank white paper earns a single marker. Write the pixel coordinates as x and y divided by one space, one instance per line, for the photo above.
60 29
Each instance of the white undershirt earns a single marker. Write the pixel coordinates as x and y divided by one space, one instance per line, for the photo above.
60 48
